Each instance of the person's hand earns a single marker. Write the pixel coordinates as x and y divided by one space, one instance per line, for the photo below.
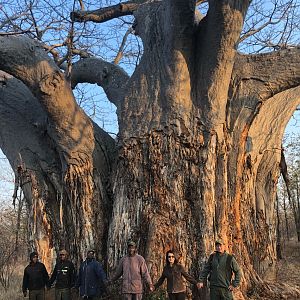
24 293
48 287
152 288
200 285
231 288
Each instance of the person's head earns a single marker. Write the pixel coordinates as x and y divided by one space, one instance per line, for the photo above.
170 258
63 255
131 248
34 257
219 245
90 254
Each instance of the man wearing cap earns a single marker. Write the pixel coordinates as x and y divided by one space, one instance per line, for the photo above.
64 275
219 270
133 270
35 278
92 278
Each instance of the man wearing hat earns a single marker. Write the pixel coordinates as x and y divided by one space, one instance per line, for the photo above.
219 270
133 270
64 275
35 278
92 278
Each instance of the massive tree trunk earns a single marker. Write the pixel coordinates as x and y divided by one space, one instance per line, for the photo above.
198 150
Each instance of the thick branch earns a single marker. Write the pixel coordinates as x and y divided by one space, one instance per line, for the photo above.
70 127
110 77
265 75
179 19
218 33
107 13
23 126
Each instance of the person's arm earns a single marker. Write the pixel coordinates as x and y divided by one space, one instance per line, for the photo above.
78 281
45 275
53 276
145 274
25 283
160 280
72 275
237 273
100 272
206 270
187 276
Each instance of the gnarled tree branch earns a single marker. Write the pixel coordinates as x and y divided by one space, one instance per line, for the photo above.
69 125
110 77
258 75
108 13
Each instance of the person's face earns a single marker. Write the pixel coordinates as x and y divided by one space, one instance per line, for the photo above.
90 255
62 256
131 250
220 248
35 259
171 258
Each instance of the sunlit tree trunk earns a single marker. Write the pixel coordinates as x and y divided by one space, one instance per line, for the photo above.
197 154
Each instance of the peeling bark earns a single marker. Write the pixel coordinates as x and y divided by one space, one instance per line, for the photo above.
61 178
198 150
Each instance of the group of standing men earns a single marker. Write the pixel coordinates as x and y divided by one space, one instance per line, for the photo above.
91 280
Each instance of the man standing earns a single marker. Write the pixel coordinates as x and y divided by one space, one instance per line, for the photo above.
35 278
91 279
133 270
64 275
220 268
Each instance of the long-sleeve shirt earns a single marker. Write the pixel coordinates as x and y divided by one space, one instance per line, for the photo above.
35 277
174 275
64 275
220 271
133 270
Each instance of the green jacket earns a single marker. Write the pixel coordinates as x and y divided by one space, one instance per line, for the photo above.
220 268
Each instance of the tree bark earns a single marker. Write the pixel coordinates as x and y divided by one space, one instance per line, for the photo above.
66 195
197 155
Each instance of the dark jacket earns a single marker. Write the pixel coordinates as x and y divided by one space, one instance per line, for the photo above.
91 278
64 274
174 275
220 267
35 277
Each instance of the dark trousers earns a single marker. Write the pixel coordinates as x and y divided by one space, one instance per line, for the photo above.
177 296
37 294
62 294
219 293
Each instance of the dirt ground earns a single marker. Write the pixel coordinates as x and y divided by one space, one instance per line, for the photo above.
288 270
286 285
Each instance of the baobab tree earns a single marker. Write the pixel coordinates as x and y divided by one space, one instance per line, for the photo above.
199 144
